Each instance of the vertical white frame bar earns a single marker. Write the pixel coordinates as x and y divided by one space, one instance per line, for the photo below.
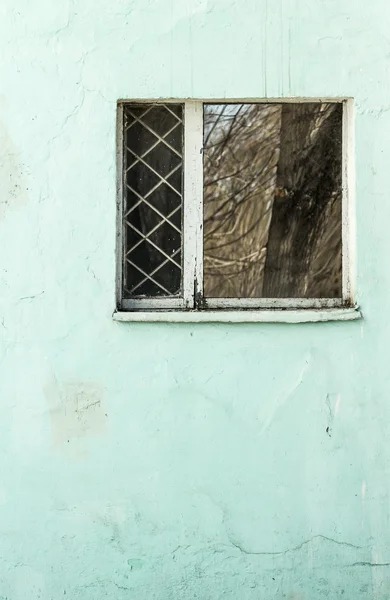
119 204
193 203
348 204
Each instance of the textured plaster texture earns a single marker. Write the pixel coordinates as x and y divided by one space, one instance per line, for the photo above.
180 461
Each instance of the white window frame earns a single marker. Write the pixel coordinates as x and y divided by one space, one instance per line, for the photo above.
191 306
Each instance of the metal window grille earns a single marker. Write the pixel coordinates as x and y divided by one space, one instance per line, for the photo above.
153 178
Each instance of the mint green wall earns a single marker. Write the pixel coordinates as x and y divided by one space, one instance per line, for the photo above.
163 461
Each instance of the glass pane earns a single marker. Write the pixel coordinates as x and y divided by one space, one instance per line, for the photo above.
272 200
153 176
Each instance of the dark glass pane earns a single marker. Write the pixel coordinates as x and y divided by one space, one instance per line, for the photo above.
175 180
153 140
272 200
161 119
173 140
166 271
165 199
162 159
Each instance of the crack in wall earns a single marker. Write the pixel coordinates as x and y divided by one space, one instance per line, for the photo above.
369 564
32 297
295 548
244 550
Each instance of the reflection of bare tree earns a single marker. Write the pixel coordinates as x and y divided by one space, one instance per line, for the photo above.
304 243
241 155
272 200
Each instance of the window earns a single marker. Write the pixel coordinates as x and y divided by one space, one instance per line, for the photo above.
232 205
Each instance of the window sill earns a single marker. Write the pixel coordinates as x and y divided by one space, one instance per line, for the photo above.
241 316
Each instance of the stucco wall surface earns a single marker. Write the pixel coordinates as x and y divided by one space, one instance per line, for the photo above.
182 461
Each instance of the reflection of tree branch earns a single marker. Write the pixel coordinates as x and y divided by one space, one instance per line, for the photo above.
309 171
250 182
232 125
224 218
243 235
237 201
240 269
214 125
261 150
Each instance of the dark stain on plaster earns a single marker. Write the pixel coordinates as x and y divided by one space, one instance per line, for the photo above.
12 173
75 409
330 415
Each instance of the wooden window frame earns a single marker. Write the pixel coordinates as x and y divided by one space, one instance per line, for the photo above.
192 299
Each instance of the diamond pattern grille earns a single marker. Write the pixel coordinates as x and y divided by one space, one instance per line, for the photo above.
153 176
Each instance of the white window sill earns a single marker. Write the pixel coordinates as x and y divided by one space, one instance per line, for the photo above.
241 316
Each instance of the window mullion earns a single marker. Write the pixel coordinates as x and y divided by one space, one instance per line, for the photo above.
120 251
193 203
